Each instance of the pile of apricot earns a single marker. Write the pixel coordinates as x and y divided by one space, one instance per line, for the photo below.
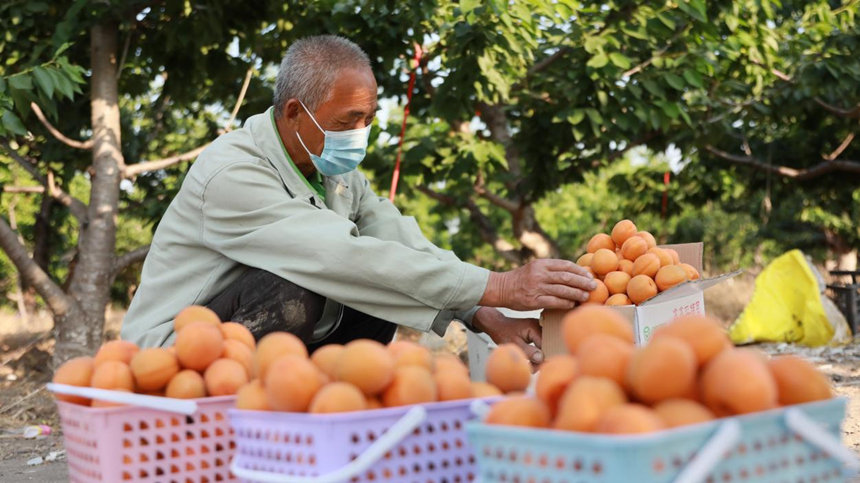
689 373
630 268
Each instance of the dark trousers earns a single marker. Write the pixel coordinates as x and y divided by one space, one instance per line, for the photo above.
265 303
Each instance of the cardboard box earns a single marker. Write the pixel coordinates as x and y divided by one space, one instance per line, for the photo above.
686 298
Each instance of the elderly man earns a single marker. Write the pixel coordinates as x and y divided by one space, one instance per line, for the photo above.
276 229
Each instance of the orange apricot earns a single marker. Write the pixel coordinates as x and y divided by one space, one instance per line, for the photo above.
648 265
585 260
666 368
623 230
114 375
798 381
580 323
626 266
195 313
641 288
604 261
585 401
239 352
408 353
703 334
452 385
198 345
116 350
187 384
676 259
599 294
411 385
630 419
616 282
237 331
692 273
520 411
252 397
153 368
75 372
649 238
338 397
291 383
618 299
485 389
634 248
738 381
449 362
508 368
602 355
601 240
224 377
662 255
367 364
556 373
681 412
670 276
273 346
326 357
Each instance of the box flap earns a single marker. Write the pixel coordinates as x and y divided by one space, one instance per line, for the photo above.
689 253
689 288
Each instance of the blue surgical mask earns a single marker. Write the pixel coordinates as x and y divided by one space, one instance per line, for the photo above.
342 152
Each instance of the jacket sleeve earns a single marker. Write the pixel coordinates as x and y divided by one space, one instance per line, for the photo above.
248 217
379 218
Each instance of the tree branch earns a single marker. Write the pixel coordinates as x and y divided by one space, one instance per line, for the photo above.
76 207
133 170
836 152
815 171
239 100
88 144
23 189
849 113
129 258
500 201
32 272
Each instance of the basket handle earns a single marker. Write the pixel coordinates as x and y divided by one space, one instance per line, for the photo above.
182 406
395 434
726 437
805 427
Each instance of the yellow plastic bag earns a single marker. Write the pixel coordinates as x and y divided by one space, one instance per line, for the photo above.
788 306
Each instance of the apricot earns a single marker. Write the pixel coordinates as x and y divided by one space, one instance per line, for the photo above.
116 350
237 331
224 377
554 377
738 381
602 355
641 288
590 271
75 372
604 261
623 230
601 240
112 375
239 352
662 255
195 313
630 419
291 383
325 358
634 248
449 362
198 345
619 256
338 397
366 364
508 368
692 273
580 323
585 260
273 346
703 334
252 397
649 239
451 385
626 266
520 411
407 353
485 389
798 381
373 402
153 368
666 368
681 412
676 259
648 265
187 384
618 299
599 294
670 276
411 385
616 282
585 401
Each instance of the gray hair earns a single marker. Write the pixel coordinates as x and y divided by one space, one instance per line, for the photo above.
310 67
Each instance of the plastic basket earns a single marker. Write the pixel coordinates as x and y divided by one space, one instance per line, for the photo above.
796 444
147 445
425 444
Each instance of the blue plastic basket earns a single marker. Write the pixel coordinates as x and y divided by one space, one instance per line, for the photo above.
796 444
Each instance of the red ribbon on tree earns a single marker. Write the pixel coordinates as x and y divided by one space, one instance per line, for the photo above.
396 175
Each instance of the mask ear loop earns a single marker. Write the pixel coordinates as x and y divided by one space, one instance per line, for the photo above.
312 117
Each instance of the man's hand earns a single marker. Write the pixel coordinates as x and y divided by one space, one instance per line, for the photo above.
540 284
503 330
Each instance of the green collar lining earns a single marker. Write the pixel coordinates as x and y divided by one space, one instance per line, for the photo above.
316 181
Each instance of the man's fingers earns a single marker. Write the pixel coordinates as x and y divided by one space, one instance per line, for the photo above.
534 354
557 265
552 302
573 280
532 332
565 292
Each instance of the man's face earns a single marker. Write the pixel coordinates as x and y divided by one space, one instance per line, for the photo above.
352 105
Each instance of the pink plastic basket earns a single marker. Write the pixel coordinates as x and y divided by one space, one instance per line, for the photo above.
425 444
147 445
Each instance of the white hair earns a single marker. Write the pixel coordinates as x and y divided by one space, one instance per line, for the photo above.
310 67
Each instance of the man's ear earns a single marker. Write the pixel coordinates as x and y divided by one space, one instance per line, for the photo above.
291 111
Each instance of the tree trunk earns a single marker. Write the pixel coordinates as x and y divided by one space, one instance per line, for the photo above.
90 284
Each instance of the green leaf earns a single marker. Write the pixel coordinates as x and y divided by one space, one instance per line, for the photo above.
595 116
669 108
620 60
43 80
21 82
694 8
675 81
62 49
2 85
686 117
603 98
64 86
694 78
13 124
467 6
666 19
598 61
576 116
653 88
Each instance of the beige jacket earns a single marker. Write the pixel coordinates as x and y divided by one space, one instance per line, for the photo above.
244 204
